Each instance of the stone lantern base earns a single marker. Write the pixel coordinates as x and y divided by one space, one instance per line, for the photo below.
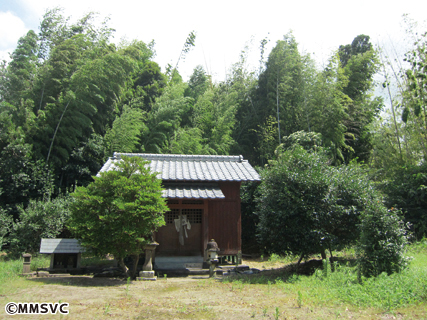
147 276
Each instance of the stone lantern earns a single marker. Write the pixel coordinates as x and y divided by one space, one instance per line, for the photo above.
212 254
27 263
148 273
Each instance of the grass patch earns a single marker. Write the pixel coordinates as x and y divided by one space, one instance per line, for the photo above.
88 260
10 271
40 261
385 292
275 259
180 313
323 287
276 293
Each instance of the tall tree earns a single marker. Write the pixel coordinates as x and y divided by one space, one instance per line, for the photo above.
21 178
360 63
189 43
149 83
18 81
89 93
243 83
415 95
198 83
281 88
280 85
165 119
125 132
214 115
119 211
325 108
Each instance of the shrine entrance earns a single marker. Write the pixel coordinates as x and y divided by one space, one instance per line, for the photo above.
182 234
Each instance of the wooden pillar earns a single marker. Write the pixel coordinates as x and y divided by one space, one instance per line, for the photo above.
205 228
79 258
239 226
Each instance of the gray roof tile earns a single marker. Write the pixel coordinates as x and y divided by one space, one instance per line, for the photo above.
193 190
60 246
193 167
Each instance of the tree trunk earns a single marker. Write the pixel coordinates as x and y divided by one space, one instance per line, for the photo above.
278 112
135 260
332 260
299 261
323 254
124 268
56 130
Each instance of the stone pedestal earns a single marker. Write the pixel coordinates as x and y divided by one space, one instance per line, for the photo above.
148 273
212 265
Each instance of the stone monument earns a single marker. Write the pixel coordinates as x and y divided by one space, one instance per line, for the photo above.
147 272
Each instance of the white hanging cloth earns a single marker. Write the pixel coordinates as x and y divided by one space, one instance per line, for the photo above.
181 226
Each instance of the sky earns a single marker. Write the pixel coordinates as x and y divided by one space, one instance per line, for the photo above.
224 28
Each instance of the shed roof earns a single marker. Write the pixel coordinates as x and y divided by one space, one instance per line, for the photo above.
190 191
60 246
177 167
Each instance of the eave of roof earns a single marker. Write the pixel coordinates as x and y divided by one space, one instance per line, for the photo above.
60 246
192 191
193 167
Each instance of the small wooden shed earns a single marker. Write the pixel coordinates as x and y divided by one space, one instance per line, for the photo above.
64 253
203 193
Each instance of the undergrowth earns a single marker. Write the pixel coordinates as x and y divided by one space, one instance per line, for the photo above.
387 292
324 287
11 269
88 260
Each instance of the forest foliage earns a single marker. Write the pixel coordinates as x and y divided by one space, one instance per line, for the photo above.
70 97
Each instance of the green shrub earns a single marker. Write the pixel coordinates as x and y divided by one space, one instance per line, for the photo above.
6 221
40 261
407 191
383 240
288 202
306 206
41 219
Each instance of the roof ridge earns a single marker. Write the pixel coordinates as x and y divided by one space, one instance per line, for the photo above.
181 157
175 167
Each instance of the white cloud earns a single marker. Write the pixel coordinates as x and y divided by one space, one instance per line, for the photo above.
11 29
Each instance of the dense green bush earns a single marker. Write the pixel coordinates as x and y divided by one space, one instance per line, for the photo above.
306 206
383 240
5 226
407 190
41 219
290 196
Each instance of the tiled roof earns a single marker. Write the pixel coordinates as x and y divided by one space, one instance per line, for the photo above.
60 246
187 190
193 167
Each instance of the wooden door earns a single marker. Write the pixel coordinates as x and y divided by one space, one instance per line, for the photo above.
168 236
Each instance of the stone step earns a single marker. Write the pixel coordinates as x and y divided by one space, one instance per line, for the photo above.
183 262
188 272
